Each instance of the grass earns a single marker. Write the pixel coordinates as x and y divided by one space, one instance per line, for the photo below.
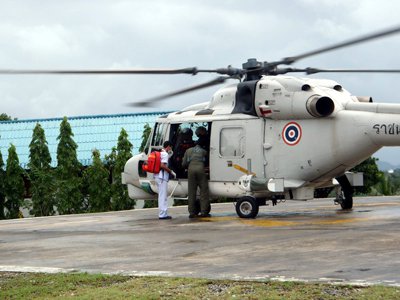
97 286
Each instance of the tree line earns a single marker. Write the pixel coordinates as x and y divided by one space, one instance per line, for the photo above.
69 187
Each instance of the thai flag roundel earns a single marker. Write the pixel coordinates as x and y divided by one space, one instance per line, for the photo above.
291 133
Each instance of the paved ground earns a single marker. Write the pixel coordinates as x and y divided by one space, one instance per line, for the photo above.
310 241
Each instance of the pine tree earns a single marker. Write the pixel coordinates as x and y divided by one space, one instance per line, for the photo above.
2 182
41 174
69 197
120 198
98 187
14 184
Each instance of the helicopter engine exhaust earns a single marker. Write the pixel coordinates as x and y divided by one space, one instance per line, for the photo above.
319 106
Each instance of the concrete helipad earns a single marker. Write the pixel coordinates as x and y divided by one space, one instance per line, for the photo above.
310 241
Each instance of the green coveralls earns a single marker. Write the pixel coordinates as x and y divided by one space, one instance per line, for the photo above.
195 158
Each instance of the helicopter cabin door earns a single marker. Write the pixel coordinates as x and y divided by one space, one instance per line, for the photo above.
236 146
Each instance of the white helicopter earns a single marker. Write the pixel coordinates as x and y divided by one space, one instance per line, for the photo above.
272 137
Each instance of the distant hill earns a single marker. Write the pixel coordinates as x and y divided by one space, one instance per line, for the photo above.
384 166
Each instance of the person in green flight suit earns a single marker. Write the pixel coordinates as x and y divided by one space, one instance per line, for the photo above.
194 160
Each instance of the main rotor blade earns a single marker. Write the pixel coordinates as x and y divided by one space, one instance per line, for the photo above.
292 59
192 71
310 71
315 70
151 101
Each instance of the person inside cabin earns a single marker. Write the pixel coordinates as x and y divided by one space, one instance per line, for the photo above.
202 134
183 142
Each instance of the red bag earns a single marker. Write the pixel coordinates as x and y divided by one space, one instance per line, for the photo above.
153 164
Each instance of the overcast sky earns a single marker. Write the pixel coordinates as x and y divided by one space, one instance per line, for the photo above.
71 34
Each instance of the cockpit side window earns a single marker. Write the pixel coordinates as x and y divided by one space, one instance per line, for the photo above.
158 134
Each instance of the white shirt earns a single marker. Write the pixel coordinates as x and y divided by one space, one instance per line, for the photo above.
164 175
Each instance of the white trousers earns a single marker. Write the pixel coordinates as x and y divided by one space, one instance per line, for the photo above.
162 197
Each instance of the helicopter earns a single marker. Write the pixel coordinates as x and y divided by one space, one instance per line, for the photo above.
272 137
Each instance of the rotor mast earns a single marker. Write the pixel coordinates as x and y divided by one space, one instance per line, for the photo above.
253 68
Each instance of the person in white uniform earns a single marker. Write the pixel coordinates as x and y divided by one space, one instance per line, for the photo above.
162 179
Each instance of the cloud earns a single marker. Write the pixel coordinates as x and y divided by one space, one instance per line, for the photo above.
175 34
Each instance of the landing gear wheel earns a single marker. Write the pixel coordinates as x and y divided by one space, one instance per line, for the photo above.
247 207
344 199
344 195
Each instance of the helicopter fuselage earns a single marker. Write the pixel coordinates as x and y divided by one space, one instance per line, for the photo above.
279 136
